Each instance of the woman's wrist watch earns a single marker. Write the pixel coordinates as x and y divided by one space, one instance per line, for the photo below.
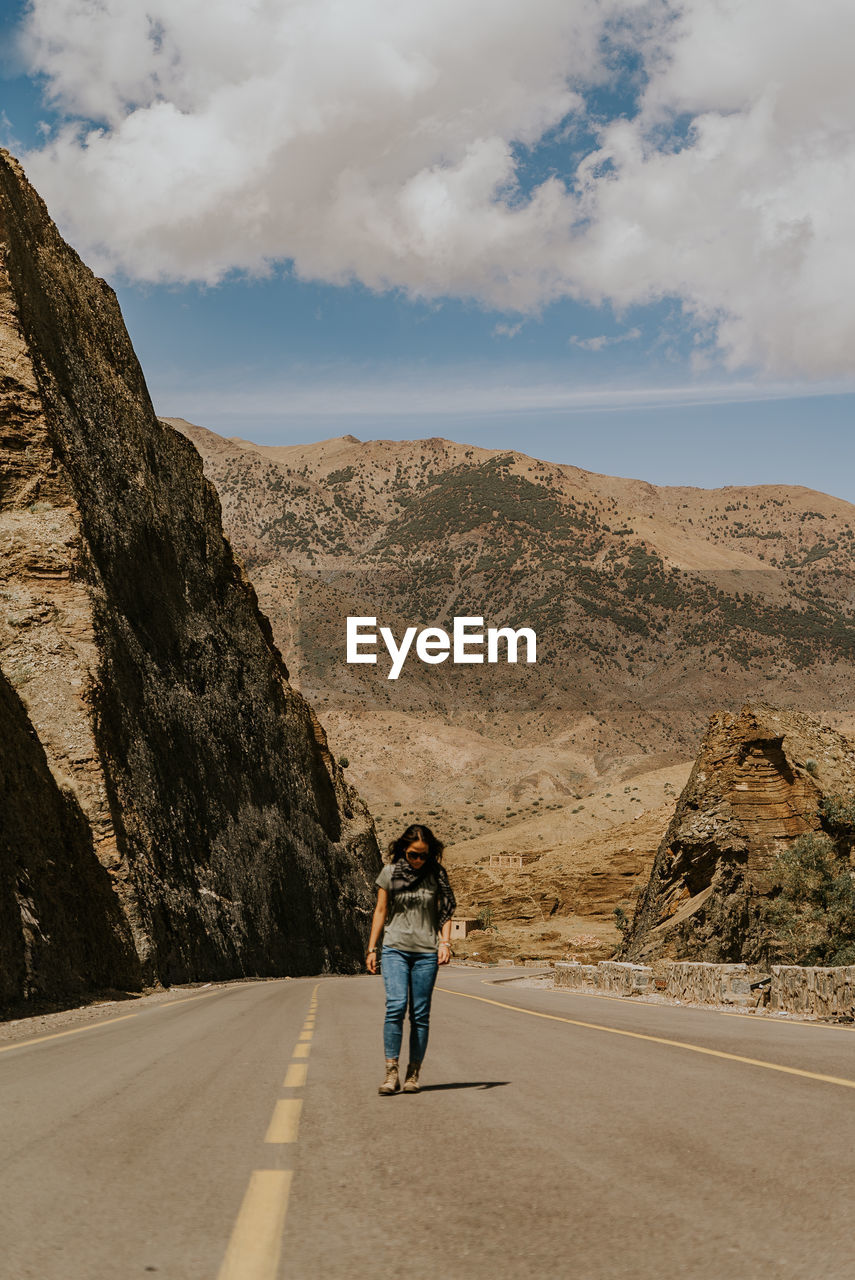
371 951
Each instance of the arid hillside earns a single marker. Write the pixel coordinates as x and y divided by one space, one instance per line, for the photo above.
654 608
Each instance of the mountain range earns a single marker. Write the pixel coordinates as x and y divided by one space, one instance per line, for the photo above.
654 607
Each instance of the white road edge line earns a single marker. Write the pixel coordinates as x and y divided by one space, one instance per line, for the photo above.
56 1035
840 1081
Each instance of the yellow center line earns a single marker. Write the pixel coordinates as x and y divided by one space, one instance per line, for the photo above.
285 1121
295 1076
674 1044
256 1240
74 1031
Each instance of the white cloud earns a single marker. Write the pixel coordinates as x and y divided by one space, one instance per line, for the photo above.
602 340
377 140
748 221
367 139
400 392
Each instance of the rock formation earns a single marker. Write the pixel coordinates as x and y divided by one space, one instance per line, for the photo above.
759 782
170 808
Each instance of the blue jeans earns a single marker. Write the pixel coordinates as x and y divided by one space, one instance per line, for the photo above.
408 977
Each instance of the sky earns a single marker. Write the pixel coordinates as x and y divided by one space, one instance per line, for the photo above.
614 233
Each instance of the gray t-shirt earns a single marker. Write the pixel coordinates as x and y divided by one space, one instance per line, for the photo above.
412 918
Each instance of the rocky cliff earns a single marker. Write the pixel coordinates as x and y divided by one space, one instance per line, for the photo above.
171 809
760 780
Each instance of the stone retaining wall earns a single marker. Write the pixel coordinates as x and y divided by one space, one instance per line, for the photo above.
813 992
569 973
609 975
823 993
724 984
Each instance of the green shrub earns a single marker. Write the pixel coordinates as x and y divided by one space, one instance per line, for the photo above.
622 921
839 813
813 916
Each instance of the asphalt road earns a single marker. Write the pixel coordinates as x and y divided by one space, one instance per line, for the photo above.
237 1134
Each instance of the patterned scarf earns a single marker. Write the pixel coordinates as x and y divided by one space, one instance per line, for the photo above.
405 879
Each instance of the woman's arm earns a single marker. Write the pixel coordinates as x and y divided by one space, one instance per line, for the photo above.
377 922
447 907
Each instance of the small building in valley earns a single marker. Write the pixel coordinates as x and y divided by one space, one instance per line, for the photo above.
513 861
463 925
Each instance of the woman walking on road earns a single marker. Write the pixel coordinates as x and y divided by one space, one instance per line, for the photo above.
415 903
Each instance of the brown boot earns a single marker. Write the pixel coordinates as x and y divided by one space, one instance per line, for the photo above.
411 1084
391 1084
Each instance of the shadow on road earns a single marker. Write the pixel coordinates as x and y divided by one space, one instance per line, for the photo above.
464 1084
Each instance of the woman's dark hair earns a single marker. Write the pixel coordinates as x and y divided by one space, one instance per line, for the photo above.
417 831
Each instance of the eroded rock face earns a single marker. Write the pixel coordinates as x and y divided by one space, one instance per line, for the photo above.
62 929
750 793
140 662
